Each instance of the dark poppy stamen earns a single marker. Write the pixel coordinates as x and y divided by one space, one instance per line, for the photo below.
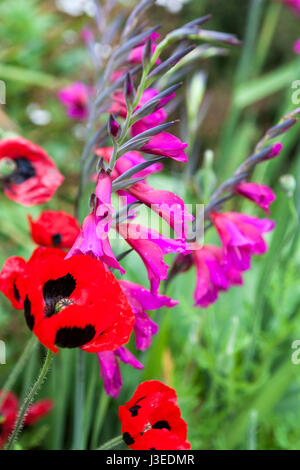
56 239
162 425
74 337
128 439
23 172
56 293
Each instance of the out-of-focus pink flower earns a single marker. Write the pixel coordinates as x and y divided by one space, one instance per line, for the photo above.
136 54
151 246
293 4
110 368
166 145
93 237
241 236
214 274
157 117
75 98
275 151
297 46
167 204
140 300
260 194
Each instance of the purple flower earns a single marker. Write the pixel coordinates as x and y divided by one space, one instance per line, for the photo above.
166 145
214 274
151 246
93 237
140 300
75 98
154 119
241 236
136 54
167 204
110 368
260 194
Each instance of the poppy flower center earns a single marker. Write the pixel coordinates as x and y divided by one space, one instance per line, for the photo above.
23 170
56 294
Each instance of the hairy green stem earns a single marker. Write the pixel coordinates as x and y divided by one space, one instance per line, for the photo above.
116 441
28 400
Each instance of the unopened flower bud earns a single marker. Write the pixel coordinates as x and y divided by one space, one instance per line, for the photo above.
147 52
113 127
288 184
128 88
276 149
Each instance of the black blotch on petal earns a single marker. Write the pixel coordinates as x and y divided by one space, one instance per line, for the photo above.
134 410
128 439
162 425
56 239
27 312
56 290
73 337
24 171
16 293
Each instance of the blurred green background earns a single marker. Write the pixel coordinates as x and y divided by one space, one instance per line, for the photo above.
231 363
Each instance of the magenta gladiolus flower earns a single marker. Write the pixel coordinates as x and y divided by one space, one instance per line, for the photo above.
136 54
110 368
260 194
167 204
166 145
75 98
154 119
297 47
151 246
93 237
140 300
241 236
119 107
214 274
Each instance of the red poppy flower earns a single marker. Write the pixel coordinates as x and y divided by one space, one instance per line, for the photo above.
14 272
11 275
54 228
75 303
9 412
151 420
35 177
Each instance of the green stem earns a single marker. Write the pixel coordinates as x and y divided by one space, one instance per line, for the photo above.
79 401
116 441
18 368
28 400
